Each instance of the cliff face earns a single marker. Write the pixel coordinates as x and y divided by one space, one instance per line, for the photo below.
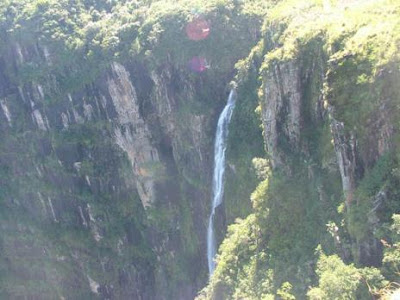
281 110
113 172
288 113
107 141
107 132
329 181
333 106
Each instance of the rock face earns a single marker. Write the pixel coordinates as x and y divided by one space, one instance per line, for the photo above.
293 105
345 149
281 110
105 169
118 166
131 133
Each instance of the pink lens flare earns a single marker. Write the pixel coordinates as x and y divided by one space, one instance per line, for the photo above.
198 64
198 29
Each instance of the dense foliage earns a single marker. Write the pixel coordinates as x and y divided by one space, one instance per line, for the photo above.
298 234
56 55
355 47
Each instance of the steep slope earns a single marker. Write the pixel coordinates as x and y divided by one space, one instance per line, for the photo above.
106 145
329 111
108 112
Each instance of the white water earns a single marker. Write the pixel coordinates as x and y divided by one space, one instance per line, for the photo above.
218 175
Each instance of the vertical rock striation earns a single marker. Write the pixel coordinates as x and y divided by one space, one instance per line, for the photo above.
131 133
281 111
118 166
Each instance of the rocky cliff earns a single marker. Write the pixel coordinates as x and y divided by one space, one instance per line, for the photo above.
328 113
118 182
106 156
107 116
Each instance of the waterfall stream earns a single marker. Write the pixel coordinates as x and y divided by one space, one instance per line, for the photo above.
218 175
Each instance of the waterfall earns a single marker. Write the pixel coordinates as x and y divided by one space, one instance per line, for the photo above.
218 175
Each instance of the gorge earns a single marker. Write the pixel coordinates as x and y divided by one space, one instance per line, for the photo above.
115 184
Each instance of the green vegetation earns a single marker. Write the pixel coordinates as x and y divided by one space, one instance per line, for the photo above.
256 259
67 193
88 35
244 143
66 46
30 229
340 281
347 55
